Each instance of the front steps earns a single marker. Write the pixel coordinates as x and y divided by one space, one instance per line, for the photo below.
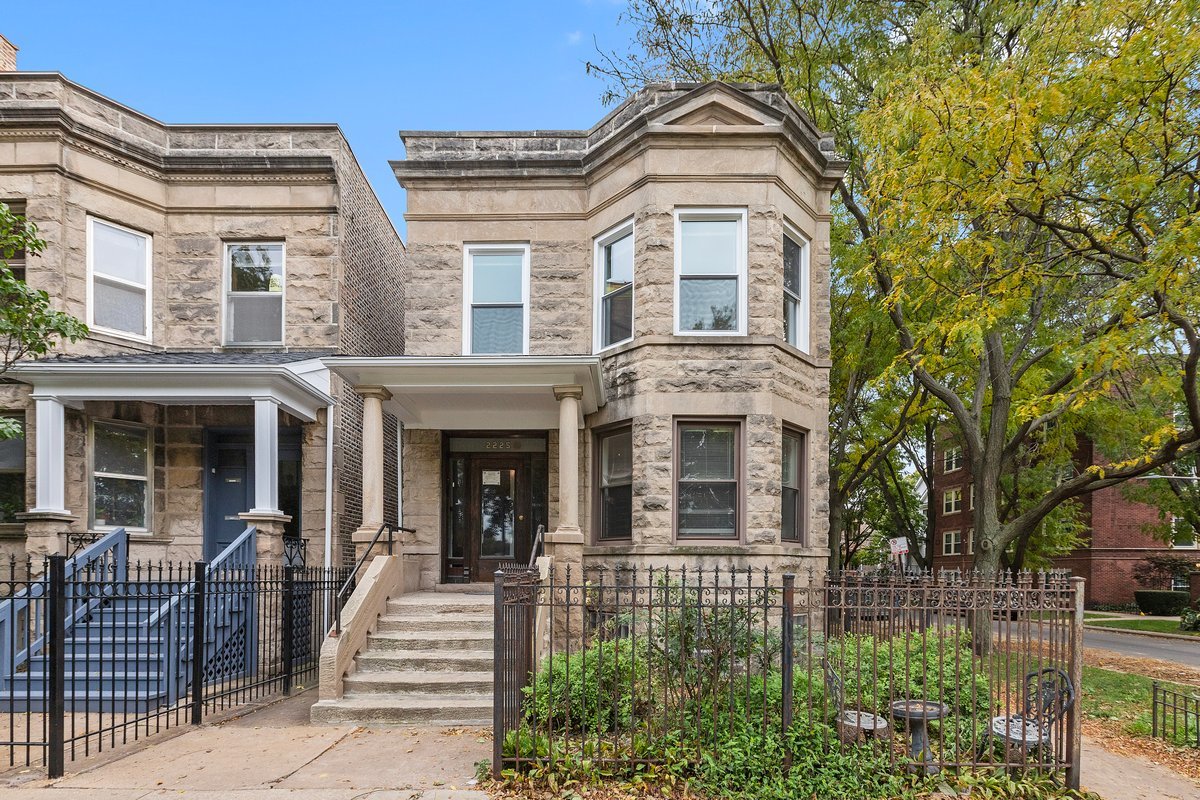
429 660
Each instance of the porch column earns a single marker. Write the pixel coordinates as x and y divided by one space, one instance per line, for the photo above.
48 521
372 464
266 516
568 456
564 545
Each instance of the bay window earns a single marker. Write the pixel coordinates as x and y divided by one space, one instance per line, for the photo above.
710 271
614 287
496 308
792 489
118 263
254 286
121 464
795 289
708 486
615 451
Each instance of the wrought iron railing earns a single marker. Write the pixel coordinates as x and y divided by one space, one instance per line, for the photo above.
348 587
1175 715
973 674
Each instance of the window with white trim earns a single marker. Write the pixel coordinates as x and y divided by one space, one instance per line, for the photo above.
952 543
118 262
952 501
1182 533
12 473
614 287
710 271
121 464
795 289
254 284
15 259
615 450
952 459
708 487
969 541
496 299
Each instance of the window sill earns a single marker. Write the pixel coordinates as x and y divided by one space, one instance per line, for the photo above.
109 337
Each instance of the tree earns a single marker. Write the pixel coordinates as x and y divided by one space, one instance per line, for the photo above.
1176 498
1022 200
29 325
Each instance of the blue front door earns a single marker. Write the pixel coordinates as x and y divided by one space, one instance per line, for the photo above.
228 487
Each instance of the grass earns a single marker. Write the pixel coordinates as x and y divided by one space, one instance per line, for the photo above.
1152 625
1121 699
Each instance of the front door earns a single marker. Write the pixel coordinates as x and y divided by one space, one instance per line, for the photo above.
500 530
229 484
494 499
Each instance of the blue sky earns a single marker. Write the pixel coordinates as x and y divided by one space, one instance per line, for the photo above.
372 67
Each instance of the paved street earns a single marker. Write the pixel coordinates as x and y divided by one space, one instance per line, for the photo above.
1178 651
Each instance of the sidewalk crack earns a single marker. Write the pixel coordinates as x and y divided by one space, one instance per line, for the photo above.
330 746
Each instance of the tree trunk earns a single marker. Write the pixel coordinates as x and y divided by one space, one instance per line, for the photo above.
837 515
987 567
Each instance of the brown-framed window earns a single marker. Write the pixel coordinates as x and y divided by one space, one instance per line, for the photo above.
614 451
792 489
12 473
16 259
708 483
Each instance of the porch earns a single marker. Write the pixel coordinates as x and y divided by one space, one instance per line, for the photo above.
183 450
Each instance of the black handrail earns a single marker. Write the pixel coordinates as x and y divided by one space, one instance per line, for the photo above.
537 545
348 586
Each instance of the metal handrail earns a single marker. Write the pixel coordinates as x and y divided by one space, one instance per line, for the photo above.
348 586
538 538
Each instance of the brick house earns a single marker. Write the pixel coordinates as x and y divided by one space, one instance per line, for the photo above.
215 265
1116 536
620 335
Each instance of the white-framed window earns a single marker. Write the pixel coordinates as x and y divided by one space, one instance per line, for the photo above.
795 288
707 479
971 497
16 261
119 279
710 271
495 299
1181 583
969 541
952 459
952 501
614 286
952 543
121 468
254 292
1182 533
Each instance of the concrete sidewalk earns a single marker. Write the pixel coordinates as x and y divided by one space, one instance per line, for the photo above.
1119 777
276 753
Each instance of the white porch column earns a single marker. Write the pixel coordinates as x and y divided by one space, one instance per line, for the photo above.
51 457
568 456
372 464
266 456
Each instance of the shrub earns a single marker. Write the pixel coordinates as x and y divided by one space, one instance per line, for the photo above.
1161 603
1189 620
600 688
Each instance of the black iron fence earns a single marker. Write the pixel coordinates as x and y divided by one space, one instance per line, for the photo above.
618 668
112 652
1175 715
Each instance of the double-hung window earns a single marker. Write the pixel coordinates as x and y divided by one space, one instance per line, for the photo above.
952 543
708 488
254 282
496 311
12 475
952 459
121 464
615 450
710 271
795 289
793 486
952 500
614 286
15 258
118 261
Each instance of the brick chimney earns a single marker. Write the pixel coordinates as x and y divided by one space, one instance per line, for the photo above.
8 55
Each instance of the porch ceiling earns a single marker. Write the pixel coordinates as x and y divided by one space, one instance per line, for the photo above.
300 386
475 392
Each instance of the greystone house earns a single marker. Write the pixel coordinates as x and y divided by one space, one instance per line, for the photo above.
608 346
215 266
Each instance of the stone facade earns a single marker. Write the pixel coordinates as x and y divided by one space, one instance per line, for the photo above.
667 148
70 154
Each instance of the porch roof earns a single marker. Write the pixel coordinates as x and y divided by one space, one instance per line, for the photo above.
475 392
297 381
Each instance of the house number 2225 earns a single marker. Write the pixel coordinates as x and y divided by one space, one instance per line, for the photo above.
501 445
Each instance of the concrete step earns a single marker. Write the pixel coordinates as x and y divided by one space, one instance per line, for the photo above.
433 604
445 623
404 709
419 682
425 660
429 641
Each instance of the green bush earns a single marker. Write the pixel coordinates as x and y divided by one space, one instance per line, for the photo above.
1158 603
1189 620
598 689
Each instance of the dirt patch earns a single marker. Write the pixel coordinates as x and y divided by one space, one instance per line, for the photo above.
1150 667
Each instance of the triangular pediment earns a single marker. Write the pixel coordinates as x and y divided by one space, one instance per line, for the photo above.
716 105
